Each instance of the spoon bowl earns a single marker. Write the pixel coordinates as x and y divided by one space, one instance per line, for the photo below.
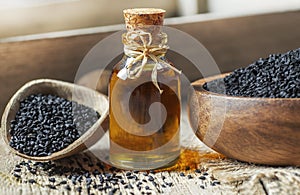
69 91
257 130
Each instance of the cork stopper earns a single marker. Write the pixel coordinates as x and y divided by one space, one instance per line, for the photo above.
138 18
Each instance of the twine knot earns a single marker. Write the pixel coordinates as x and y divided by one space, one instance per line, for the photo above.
139 48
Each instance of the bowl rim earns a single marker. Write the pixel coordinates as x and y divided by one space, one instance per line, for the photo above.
201 82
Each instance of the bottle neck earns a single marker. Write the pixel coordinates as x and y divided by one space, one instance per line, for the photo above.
145 42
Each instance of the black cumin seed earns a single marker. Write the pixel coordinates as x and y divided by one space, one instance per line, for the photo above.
79 189
145 174
31 181
52 179
169 184
202 177
51 187
197 171
150 178
128 173
63 182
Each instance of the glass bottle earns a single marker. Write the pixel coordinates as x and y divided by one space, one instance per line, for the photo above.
144 97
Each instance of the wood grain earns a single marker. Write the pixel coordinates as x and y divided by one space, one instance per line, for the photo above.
72 92
257 130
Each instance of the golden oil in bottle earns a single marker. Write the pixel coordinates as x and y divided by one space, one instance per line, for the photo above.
144 110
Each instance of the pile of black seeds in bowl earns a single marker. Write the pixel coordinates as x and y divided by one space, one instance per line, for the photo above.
45 124
277 76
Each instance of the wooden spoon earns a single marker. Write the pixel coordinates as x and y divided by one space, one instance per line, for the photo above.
77 93
258 130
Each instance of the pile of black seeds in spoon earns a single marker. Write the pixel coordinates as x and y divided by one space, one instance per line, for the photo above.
46 124
277 76
86 175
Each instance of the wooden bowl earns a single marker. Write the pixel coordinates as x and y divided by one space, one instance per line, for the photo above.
77 93
257 130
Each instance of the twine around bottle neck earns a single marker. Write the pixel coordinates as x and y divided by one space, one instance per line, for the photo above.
141 46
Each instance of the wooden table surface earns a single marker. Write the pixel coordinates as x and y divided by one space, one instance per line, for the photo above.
234 177
233 43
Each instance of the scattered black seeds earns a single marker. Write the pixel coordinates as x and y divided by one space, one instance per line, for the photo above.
197 171
88 181
128 173
205 174
154 183
202 177
76 177
202 186
216 182
46 123
52 179
79 189
277 76
150 178
17 170
31 181
170 184
130 177
182 174
51 187
126 186
63 182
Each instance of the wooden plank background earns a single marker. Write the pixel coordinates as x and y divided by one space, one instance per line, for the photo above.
232 42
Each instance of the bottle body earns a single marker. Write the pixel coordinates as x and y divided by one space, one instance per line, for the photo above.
144 123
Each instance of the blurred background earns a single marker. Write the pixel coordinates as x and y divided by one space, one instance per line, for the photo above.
23 17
